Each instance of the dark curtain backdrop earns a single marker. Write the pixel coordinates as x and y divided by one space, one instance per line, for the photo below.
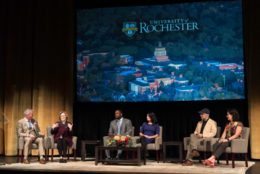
36 70
36 63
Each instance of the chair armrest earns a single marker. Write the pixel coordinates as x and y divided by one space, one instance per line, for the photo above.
158 142
47 142
51 141
74 141
208 144
136 141
20 142
186 142
239 146
212 140
105 140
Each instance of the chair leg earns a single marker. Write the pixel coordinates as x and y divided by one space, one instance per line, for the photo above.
22 156
246 160
205 155
227 160
46 154
160 154
52 154
126 152
157 156
233 160
74 153
68 153
200 159
133 155
18 156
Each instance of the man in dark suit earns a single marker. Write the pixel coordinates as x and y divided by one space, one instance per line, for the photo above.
118 126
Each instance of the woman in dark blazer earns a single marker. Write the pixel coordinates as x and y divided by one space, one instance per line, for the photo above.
62 131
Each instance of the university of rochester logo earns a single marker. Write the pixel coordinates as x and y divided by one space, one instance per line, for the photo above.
157 26
129 28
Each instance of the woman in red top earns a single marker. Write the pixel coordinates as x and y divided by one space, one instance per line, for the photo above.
62 131
232 131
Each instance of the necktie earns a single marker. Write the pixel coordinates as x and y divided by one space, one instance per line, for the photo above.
30 124
118 127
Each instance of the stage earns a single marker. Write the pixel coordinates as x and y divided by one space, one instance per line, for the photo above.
151 167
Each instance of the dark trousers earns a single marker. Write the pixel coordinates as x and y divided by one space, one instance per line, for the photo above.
219 148
144 146
62 147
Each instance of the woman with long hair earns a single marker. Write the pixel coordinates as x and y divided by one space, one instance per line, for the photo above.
232 131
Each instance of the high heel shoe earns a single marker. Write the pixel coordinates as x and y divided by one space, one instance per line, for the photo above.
204 162
212 164
208 163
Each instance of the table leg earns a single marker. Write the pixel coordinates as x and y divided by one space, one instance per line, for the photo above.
143 154
101 155
180 152
46 154
164 153
96 155
83 151
139 156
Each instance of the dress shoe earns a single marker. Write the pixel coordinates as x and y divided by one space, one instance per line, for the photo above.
195 153
108 158
26 161
42 161
63 161
209 163
187 163
117 157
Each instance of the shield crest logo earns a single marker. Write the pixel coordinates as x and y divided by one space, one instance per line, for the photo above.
129 28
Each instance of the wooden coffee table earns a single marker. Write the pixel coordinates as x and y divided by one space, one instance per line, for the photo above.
99 157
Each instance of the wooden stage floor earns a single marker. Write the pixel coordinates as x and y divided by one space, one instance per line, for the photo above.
151 167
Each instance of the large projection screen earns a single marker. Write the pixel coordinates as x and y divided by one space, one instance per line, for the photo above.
164 52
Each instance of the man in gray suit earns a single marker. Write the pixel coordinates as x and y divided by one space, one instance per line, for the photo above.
119 126
29 130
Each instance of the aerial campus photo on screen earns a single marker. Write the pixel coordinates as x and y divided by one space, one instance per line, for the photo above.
172 52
